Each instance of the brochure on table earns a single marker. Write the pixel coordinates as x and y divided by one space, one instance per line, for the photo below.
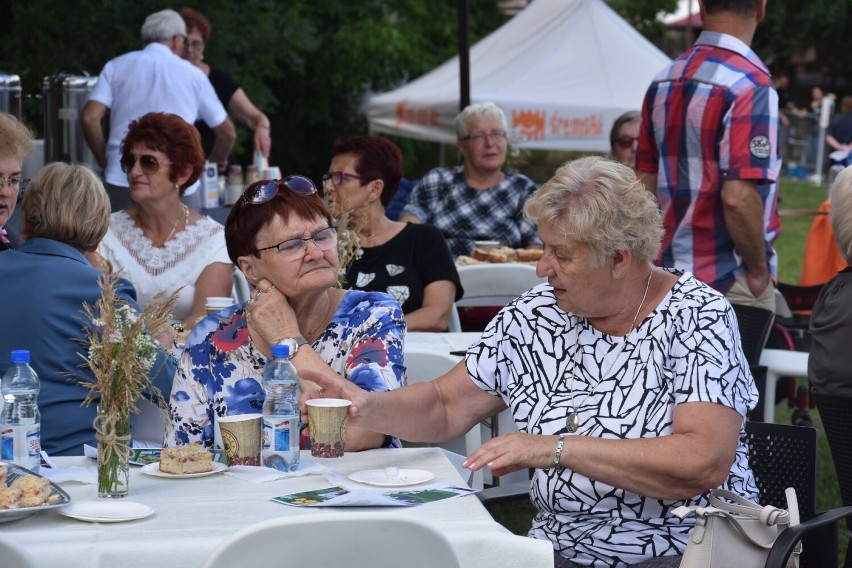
351 497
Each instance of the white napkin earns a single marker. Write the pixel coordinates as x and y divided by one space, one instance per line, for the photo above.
307 466
74 473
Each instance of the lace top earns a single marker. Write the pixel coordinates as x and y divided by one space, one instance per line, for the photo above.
178 263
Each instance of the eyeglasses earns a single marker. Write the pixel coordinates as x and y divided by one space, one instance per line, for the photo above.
18 183
337 178
262 191
195 44
479 137
626 141
325 239
149 164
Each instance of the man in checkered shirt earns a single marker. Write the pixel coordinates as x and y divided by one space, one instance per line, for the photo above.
477 200
708 148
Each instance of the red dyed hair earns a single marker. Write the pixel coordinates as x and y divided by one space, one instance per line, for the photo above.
195 20
377 158
246 219
173 136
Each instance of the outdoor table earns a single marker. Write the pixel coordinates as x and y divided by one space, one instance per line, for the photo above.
193 516
780 363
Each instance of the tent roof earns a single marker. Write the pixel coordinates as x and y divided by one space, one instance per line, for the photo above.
561 70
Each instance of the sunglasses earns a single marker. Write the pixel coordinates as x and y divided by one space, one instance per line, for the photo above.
626 141
263 191
149 164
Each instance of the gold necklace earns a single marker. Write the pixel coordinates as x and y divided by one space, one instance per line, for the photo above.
174 225
572 423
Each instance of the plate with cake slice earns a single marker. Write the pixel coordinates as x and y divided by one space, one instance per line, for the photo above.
154 470
184 461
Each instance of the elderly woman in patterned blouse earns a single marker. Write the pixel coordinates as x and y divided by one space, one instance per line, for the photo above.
626 381
281 236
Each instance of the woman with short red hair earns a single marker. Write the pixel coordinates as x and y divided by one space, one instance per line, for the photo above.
160 244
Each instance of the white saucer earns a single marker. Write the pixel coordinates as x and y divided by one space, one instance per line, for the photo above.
154 469
386 478
104 511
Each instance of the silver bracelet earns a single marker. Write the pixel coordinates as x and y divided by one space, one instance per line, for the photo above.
557 456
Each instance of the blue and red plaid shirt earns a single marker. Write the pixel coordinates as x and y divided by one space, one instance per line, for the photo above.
710 117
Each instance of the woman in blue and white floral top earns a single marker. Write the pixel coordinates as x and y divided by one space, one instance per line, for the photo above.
281 236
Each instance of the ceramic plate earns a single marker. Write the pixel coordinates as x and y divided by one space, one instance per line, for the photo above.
59 498
103 511
154 469
392 477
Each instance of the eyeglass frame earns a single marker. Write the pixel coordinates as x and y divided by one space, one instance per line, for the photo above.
194 45
304 243
138 158
625 142
18 183
329 177
279 183
481 136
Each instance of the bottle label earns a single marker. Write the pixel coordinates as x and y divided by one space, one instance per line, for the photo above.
7 450
17 444
34 443
277 432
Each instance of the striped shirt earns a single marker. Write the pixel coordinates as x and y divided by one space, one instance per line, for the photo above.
710 117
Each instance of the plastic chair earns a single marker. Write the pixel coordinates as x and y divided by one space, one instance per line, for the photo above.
754 325
454 325
352 539
426 365
14 556
241 290
836 414
495 284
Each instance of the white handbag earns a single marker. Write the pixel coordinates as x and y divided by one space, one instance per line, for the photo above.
736 532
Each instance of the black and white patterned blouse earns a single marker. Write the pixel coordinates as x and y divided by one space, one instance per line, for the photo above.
684 351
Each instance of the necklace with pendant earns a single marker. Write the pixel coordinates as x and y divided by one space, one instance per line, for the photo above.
572 423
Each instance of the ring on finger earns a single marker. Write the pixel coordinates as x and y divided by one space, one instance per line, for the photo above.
249 302
270 289
257 294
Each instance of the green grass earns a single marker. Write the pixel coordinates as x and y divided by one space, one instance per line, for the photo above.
790 246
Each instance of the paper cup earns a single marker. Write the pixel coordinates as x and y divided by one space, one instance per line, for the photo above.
241 437
217 303
328 421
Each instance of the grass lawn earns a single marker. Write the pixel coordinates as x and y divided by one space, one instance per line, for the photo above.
790 246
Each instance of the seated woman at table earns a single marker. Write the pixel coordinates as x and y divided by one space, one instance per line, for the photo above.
65 214
15 141
411 262
626 381
831 321
160 244
281 236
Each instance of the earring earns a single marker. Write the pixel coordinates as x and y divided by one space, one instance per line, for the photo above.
177 187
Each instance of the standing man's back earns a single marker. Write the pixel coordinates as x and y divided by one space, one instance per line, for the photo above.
709 150
154 79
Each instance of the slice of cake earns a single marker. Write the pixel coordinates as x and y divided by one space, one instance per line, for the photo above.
9 497
35 490
186 459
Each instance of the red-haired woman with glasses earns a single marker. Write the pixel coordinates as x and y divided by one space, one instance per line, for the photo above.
281 236
160 244
624 137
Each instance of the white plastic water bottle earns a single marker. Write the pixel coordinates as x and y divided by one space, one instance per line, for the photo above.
280 412
20 421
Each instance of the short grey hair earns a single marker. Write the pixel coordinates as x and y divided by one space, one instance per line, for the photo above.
840 195
478 109
602 203
162 26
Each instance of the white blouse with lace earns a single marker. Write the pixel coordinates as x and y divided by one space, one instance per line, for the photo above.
179 263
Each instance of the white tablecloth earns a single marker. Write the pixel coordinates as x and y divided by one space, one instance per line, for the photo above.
444 342
193 516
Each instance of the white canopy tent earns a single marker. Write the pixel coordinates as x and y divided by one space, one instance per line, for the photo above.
561 70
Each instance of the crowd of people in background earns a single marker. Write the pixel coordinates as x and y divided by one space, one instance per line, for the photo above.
644 252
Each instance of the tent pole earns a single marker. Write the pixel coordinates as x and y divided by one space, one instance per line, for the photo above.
464 55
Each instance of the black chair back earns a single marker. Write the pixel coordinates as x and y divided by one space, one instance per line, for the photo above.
754 325
836 414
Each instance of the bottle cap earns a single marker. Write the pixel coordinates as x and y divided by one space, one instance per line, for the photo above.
20 356
281 351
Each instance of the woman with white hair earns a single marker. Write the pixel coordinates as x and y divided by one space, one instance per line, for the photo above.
831 321
626 381
15 139
477 200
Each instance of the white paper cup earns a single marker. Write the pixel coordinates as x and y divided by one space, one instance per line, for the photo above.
328 421
241 436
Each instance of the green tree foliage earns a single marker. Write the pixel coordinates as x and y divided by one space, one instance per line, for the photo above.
308 64
642 14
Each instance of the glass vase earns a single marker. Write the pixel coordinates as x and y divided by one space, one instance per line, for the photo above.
113 435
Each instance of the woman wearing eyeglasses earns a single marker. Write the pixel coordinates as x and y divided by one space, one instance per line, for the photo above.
160 244
15 139
624 137
476 201
281 236
411 262
233 97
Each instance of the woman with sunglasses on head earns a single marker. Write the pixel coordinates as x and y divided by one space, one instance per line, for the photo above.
160 244
624 137
232 96
411 262
281 236
15 139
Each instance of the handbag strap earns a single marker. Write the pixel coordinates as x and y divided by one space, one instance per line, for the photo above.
767 514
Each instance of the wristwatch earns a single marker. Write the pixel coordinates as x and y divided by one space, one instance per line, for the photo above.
293 343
